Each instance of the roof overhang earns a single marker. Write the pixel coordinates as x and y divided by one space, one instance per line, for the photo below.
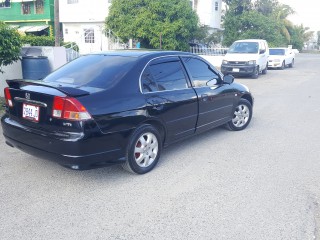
32 28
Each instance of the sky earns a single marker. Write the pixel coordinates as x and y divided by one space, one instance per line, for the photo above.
307 13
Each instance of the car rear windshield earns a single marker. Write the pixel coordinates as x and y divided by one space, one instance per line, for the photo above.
244 47
92 72
276 51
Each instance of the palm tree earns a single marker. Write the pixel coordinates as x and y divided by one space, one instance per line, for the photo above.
281 12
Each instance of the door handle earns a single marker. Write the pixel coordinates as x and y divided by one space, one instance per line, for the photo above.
204 97
157 107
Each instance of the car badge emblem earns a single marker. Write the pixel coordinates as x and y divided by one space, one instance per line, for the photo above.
28 96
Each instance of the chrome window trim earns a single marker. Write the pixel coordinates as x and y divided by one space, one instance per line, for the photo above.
179 56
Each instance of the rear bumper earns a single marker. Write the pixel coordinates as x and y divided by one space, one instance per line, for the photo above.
238 70
82 153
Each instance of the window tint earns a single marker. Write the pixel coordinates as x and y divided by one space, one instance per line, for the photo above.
244 47
201 73
148 83
276 51
92 71
168 75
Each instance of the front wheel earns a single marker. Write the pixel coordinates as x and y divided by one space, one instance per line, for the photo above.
143 151
283 65
291 64
264 71
255 74
241 117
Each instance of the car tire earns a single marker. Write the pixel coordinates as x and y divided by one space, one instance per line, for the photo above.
241 117
143 150
291 64
264 71
255 75
283 65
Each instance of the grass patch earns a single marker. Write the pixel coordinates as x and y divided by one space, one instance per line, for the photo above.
2 109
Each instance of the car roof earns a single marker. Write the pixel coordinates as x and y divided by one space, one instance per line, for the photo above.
279 48
251 40
139 53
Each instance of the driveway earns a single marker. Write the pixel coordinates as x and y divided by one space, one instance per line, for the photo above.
260 183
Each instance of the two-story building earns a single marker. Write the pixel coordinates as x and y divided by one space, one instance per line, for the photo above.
29 16
83 22
209 12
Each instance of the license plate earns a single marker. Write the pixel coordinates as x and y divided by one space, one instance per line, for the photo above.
30 112
236 70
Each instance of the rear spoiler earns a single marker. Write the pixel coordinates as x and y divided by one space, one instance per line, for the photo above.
70 91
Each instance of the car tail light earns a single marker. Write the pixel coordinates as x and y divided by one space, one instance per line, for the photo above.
7 96
69 108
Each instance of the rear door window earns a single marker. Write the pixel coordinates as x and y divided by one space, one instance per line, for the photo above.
164 74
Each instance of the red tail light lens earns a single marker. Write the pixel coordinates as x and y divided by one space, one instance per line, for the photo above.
69 108
7 96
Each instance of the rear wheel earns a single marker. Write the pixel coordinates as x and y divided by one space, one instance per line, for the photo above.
241 116
255 74
143 151
264 71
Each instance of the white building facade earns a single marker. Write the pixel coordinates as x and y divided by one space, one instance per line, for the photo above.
83 22
209 12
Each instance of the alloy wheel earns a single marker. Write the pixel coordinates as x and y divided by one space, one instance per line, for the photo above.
146 149
241 116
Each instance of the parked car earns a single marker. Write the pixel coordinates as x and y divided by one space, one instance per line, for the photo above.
280 58
121 107
247 57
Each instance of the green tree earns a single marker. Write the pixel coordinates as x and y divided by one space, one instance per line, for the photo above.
251 24
300 35
10 45
147 20
280 13
265 19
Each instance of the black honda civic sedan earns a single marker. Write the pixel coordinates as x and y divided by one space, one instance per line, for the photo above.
121 107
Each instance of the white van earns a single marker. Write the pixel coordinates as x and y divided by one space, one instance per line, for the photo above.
247 57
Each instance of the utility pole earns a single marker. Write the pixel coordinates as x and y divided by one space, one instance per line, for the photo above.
56 24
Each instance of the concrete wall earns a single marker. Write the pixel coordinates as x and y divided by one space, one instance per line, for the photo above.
13 71
56 56
216 61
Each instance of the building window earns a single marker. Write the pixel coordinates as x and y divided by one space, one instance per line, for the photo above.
109 1
39 7
5 3
191 3
26 8
66 31
216 6
73 1
89 35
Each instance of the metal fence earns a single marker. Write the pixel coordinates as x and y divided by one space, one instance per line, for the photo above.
71 54
209 51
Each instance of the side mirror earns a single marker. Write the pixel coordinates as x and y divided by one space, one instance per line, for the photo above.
262 51
228 79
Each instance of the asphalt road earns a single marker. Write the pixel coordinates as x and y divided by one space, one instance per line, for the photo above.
261 183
